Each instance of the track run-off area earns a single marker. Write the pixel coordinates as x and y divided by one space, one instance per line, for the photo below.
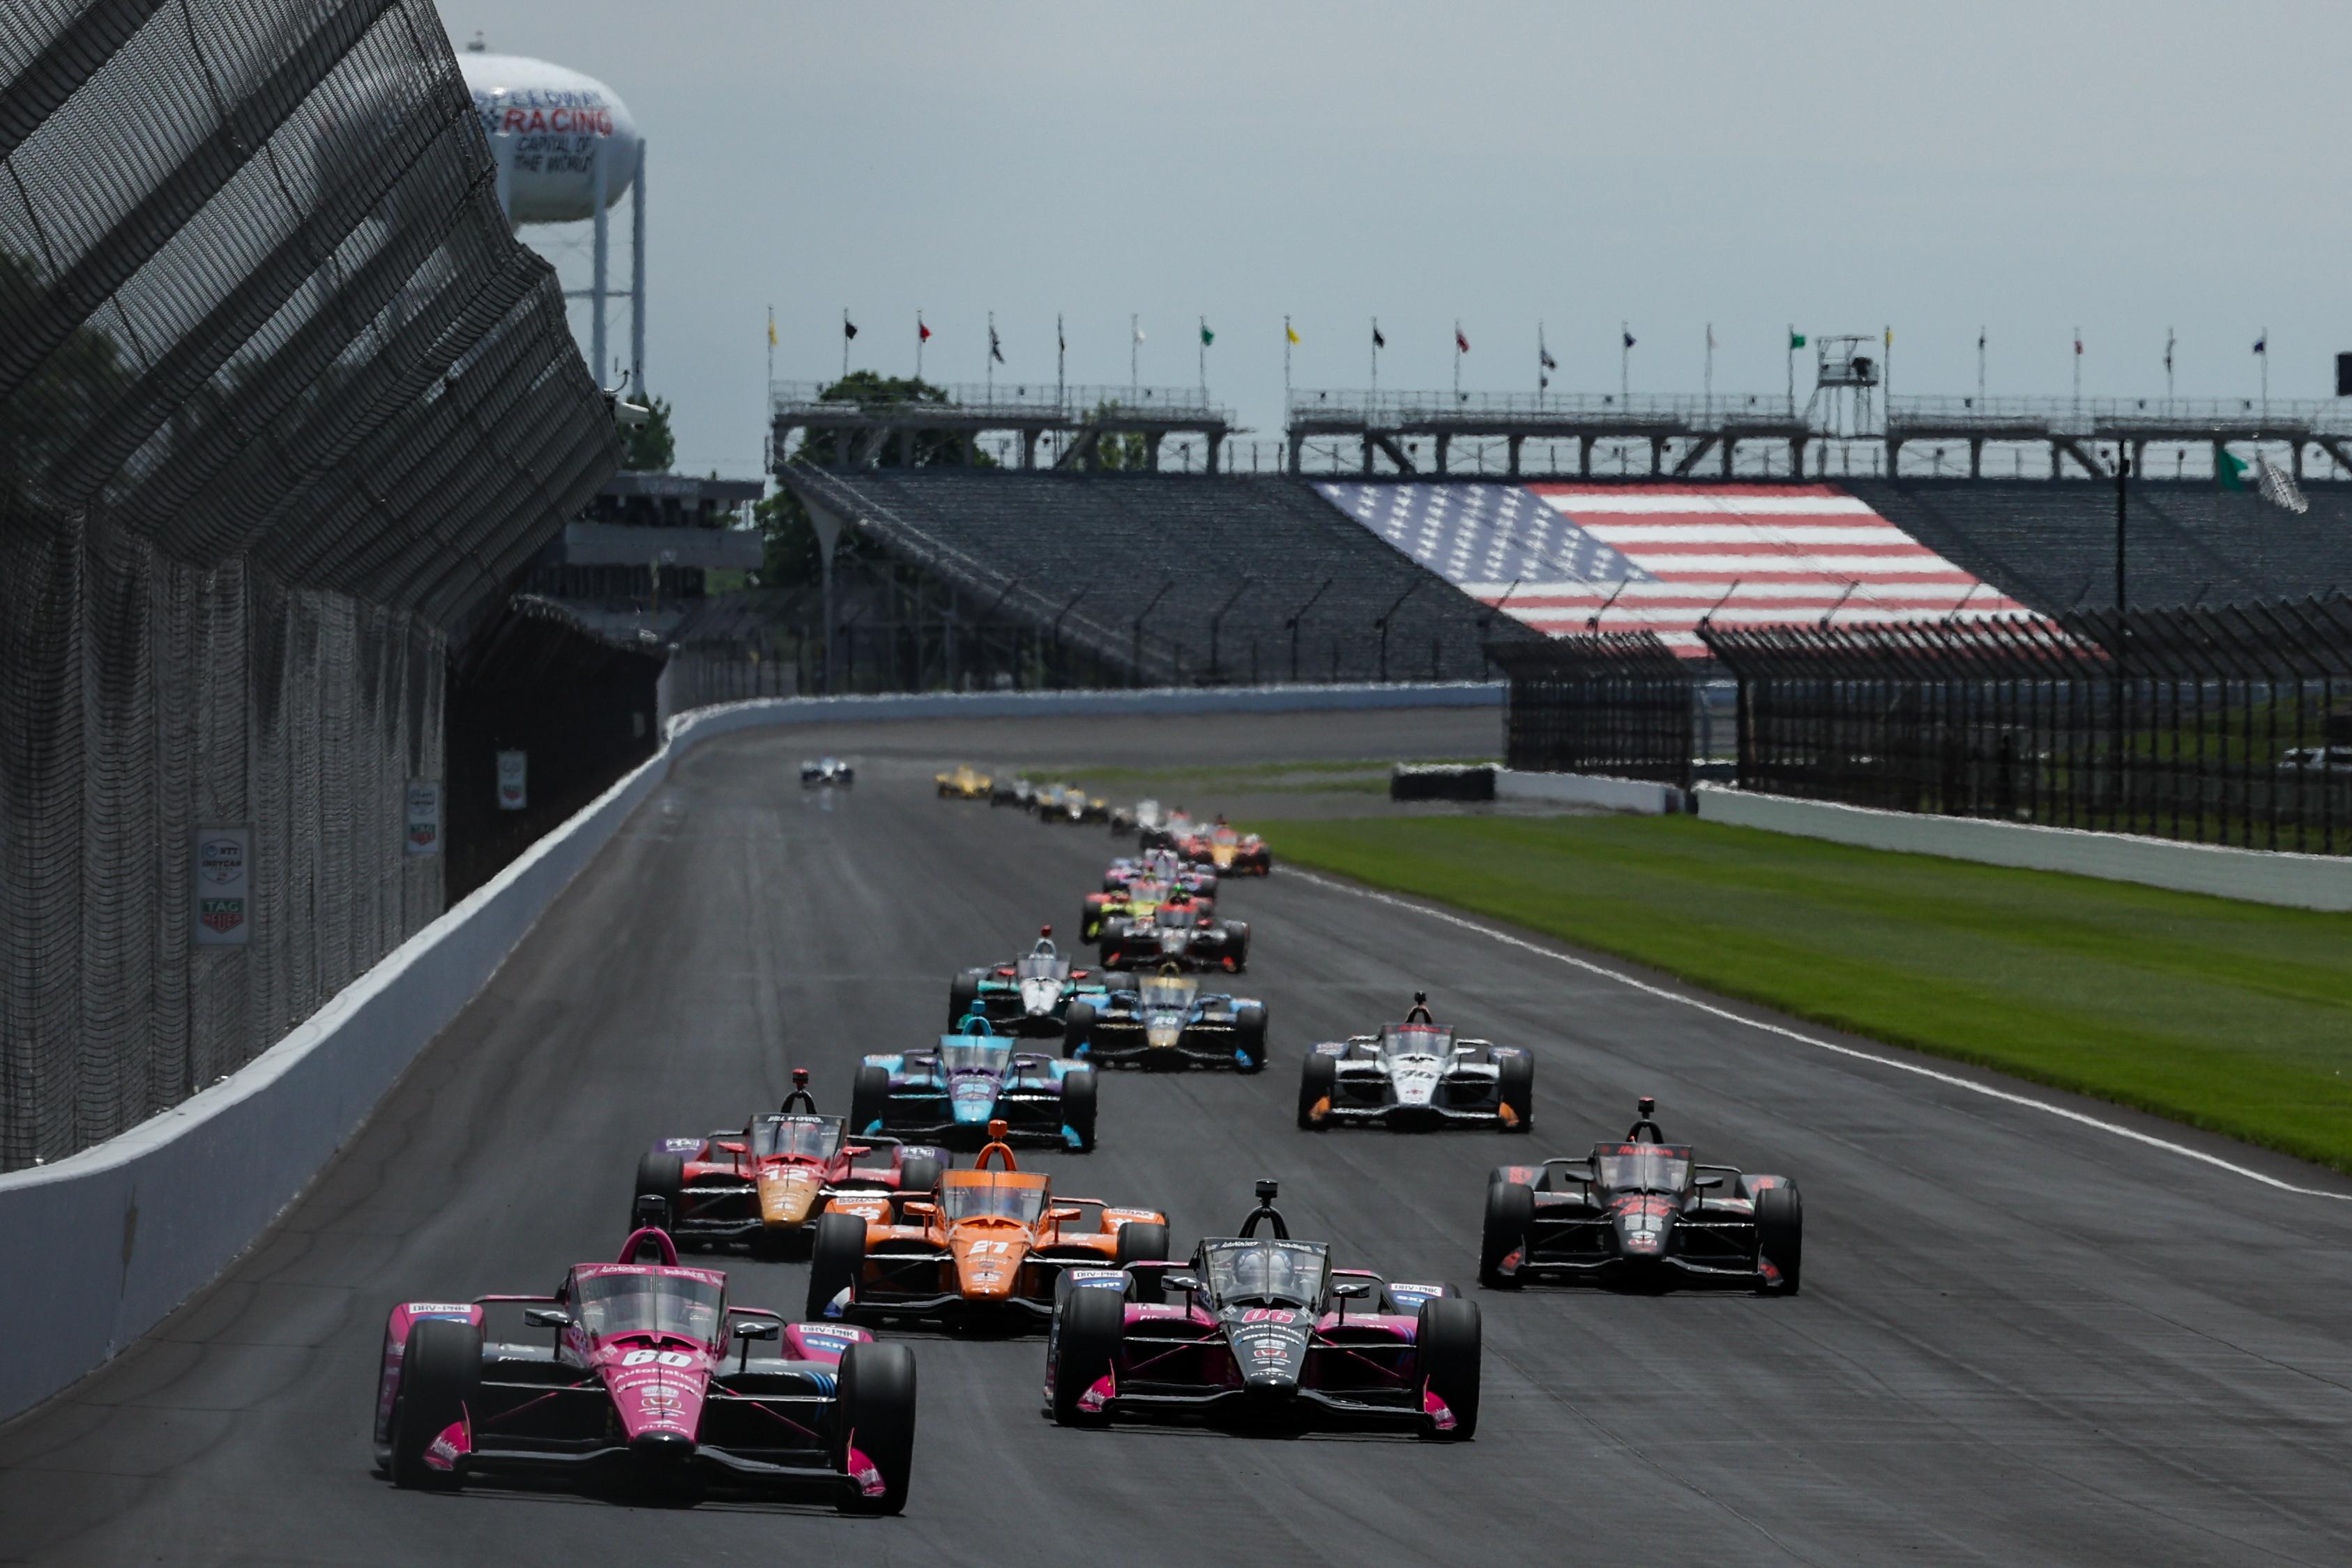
2024 1337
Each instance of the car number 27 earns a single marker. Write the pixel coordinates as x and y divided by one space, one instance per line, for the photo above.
657 1358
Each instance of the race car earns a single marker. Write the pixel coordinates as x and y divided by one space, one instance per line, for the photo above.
1171 831
964 783
638 1389
1417 1073
1029 996
970 1079
1143 880
1008 790
1069 803
1147 819
1231 851
986 1247
766 1183
1268 1335
826 770
1641 1213
1167 1023
1178 931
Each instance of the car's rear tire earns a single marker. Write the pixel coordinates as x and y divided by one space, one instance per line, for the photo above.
877 1415
1078 1106
836 1258
1249 1040
1087 1331
663 1176
440 1376
918 1174
1510 1213
1780 1234
1238 933
1141 1242
869 1099
1077 1022
1447 1344
1515 1086
1318 1076
963 996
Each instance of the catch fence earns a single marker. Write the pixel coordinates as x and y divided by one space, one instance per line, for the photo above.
2228 725
283 408
1613 703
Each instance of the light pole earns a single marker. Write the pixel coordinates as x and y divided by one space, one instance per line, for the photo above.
1135 656
1295 616
1216 620
1389 614
1057 633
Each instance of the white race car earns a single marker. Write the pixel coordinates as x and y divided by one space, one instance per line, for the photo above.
827 771
1417 1073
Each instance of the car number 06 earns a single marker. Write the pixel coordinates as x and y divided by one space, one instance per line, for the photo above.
657 1358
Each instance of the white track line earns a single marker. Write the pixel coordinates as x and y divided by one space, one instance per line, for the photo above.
1957 1082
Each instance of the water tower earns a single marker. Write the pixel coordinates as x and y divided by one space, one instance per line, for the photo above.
567 149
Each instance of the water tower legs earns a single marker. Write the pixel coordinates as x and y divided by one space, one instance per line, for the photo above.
638 279
596 287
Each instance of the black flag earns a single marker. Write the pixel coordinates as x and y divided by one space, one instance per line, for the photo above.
848 328
1377 341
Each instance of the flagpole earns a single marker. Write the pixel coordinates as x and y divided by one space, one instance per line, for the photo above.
1285 367
1376 359
2169 339
1457 359
2265 347
1061 360
919 342
844 342
1625 362
771 345
990 368
1980 369
1789 353
2078 369
1205 359
1707 379
1134 354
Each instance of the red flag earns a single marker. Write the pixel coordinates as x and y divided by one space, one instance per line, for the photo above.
923 333
1461 343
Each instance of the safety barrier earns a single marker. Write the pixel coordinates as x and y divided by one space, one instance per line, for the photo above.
2256 876
122 1232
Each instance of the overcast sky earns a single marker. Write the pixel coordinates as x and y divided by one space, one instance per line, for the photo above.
2025 167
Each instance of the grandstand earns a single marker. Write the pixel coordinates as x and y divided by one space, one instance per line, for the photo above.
1162 577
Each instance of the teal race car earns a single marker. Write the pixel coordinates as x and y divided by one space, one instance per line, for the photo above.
970 1078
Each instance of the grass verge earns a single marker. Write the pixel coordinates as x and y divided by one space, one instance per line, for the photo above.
2231 1017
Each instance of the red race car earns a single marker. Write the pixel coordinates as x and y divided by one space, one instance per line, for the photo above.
766 1183
637 1390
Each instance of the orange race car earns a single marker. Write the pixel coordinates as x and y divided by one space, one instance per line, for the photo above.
987 1246
1230 850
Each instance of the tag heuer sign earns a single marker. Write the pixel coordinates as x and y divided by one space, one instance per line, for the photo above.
424 817
222 898
512 796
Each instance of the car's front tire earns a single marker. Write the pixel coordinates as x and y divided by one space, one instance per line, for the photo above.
663 1176
1515 1086
1319 1077
869 1099
1078 1106
1249 1040
1087 1332
440 1378
1780 1233
1510 1212
835 1259
1447 1345
878 1413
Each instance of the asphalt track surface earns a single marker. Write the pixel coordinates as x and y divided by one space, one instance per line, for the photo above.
2020 1340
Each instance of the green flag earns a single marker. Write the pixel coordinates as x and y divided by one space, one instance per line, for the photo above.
2228 468
1207 336
1796 340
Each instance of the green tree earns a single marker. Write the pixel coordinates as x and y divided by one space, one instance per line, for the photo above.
650 447
793 555
1128 449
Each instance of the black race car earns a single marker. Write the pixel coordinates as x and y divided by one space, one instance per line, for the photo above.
1178 931
1640 1213
1267 1334
1168 1023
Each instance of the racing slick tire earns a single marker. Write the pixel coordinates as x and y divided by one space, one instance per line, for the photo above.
1510 1211
1237 935
440 1378
1249 1040
1077 1022
1446 1343
1780 1234
869 1098
1087 1331
918 1174
662 1176
1078 1106
877 1414
1515 1085
963 995
1318 1075
835 1257
1141 1242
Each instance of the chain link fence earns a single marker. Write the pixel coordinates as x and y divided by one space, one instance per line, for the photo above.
283 407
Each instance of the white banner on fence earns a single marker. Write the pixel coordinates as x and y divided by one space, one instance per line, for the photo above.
221 868
512 768
424 817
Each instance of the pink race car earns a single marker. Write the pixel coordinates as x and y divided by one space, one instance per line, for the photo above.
636 1389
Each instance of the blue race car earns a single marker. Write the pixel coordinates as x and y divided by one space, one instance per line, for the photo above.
974 1076
1168 1022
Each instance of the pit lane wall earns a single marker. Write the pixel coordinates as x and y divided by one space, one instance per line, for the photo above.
2257 877
110 1241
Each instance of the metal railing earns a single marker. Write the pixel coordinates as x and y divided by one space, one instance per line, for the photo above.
1698 411
1014 403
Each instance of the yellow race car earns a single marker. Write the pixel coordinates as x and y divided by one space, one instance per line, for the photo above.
966 783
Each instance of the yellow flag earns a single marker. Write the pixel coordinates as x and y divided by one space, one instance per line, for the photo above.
1890 337
1291 332
772 329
